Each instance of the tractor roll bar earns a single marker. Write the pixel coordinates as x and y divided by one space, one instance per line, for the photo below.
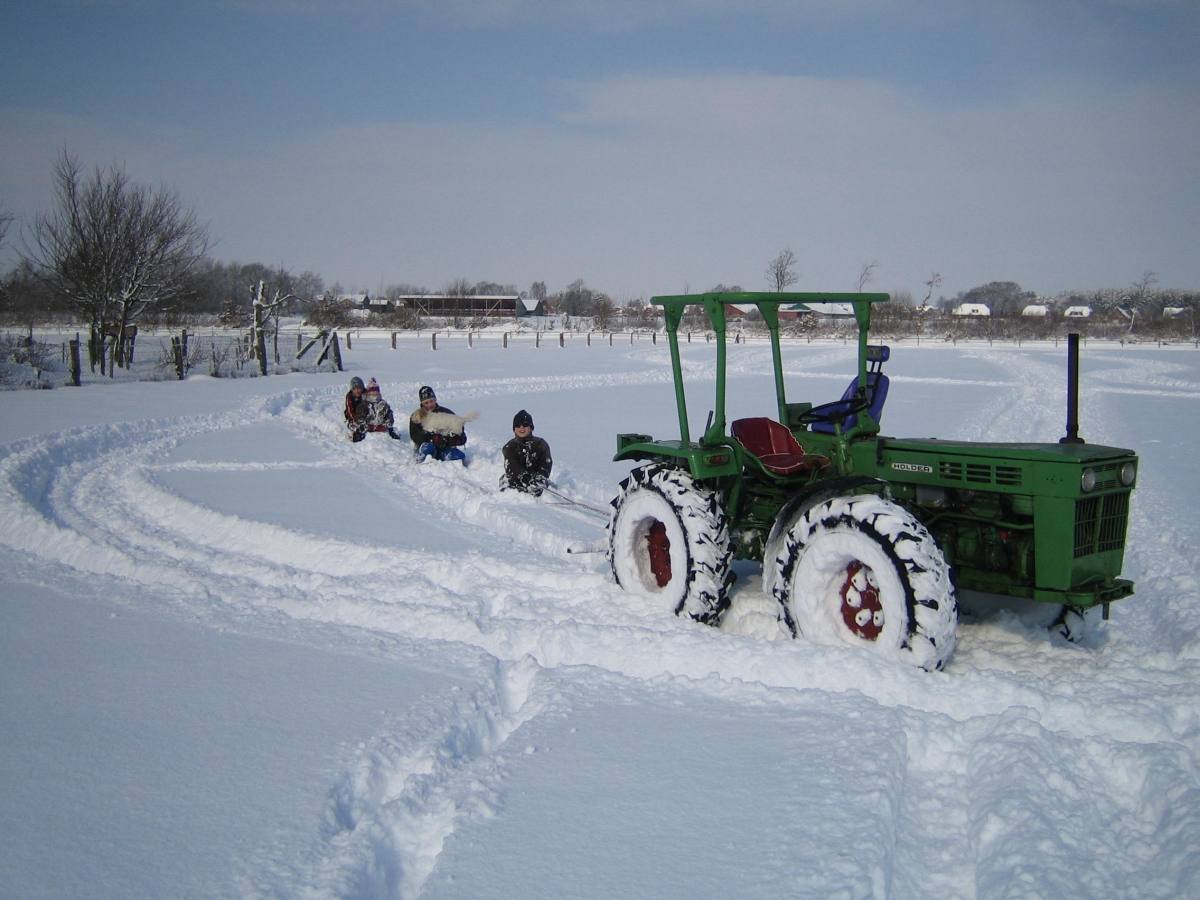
768 305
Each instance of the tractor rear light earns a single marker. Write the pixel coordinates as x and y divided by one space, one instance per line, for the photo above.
1128 473
1088 481
717 459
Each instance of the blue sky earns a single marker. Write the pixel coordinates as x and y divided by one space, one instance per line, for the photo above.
647 147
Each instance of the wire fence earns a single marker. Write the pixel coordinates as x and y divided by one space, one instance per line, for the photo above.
57 359
52 359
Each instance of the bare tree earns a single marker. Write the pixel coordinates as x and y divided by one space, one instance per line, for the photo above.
269 309
603 310
6 219
866 275
112 248
1141 297
934 282
779 272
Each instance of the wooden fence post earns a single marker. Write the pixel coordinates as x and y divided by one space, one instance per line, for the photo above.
337 351
433 341
76 368
393 340
506 340
589 343
348 345
537 339
561 340
470 339
654 338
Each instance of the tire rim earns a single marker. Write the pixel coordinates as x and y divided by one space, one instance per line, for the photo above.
861 609
658 552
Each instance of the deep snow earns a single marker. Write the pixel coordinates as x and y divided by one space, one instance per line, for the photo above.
241 656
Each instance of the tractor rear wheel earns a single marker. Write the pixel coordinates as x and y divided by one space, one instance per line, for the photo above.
668 539
863 572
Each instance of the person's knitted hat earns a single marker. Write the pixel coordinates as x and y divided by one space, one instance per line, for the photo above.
426 393
357 382
372 386
522 419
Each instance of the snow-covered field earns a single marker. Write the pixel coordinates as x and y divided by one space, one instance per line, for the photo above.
240 656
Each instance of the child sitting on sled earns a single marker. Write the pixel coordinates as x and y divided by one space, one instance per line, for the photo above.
376 413
527 461
436 431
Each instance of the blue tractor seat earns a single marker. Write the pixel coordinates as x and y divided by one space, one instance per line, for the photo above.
877 390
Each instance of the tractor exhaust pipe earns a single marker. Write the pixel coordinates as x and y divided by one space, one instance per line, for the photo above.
1072 392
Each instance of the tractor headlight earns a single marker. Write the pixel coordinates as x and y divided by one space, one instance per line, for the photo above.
1088 481
1128 473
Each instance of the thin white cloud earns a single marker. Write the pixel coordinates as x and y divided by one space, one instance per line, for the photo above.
653 183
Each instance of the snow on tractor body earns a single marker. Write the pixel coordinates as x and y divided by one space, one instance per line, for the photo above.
863 538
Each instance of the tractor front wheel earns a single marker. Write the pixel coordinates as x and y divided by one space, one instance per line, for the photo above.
1075 623
863 572
668 539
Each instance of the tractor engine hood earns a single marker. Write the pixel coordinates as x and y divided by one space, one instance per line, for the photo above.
1043 469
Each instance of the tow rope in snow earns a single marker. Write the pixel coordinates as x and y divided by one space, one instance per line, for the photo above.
573 502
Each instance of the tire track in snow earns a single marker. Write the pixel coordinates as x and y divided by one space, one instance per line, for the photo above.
101 512
89 499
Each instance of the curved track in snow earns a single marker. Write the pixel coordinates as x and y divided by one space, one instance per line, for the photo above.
1109 732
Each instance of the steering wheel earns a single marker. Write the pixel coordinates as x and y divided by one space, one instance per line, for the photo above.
835 413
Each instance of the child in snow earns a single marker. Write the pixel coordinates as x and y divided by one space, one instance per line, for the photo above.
354 410
527 461
436 431
377 414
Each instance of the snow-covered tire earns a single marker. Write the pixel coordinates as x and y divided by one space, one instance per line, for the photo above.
863 572
668 539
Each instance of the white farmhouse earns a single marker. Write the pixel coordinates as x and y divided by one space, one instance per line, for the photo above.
1077 312
971 309
831 310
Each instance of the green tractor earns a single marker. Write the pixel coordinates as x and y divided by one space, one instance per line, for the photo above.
864 539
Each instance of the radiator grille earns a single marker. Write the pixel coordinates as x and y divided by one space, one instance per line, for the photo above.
1100 523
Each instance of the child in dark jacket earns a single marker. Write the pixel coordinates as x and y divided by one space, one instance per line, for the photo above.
436 431
527 460
354 410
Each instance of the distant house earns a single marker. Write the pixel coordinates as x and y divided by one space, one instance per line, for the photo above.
1036 310
1077 312
446 306
971 309
531 306
828 310
1174 312
355 306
